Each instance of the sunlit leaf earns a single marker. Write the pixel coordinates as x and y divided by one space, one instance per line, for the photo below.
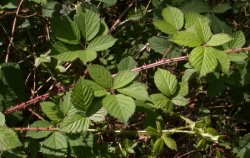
219 39
8 139
75 124
169 142
101 43
52 111
123 78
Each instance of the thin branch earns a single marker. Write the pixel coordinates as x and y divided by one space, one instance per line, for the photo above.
237 50
129 132
35 114
120 17
12 31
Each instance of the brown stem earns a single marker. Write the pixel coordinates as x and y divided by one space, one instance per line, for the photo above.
35 114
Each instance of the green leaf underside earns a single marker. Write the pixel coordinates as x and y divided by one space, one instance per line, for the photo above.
101 75
84 55
52 111
169 142
75 124
82 96
101 43
88 23
165 82
203 59
174 17
55 144
119 106
186 38
160 101
8 139
219 39
123 78
39 134
136 90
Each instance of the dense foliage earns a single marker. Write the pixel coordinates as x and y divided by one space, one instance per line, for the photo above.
118 78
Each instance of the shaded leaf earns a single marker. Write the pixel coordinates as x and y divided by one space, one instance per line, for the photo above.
74 124
180 100
39 134
169 142
224 61
186 39
237 42
158 44
8 139
101 43
158 146
221 8
52 111
161 102
127 63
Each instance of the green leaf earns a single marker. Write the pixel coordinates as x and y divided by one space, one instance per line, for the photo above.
169 142
244 144
74 124
224 61
136 90
190 19
8 139
65 30
186 39
237 57
153 132
101 43
158 44
202 29
165 82
165 27
88 23
161 102
203 59
39 134
55 145
184 89
2 119
219 39
119 106
158 146
180 100
99 115
195 6
123 78
66 104
84 55
101 75
99 91
237 42
127 63
219 26
82 96
188 74
174 17
221 8
52 111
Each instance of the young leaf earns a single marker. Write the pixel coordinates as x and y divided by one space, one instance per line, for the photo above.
136 90
161 102
158 146
169 142
219 39
127 63
123 78
186 38
119 106
8 139
101 43
203 30
164 26
101 75
224 61
82 96
75 124
174 17
52 111
165 82
39 134
180 100
203 59
2 119
88 23
55 144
